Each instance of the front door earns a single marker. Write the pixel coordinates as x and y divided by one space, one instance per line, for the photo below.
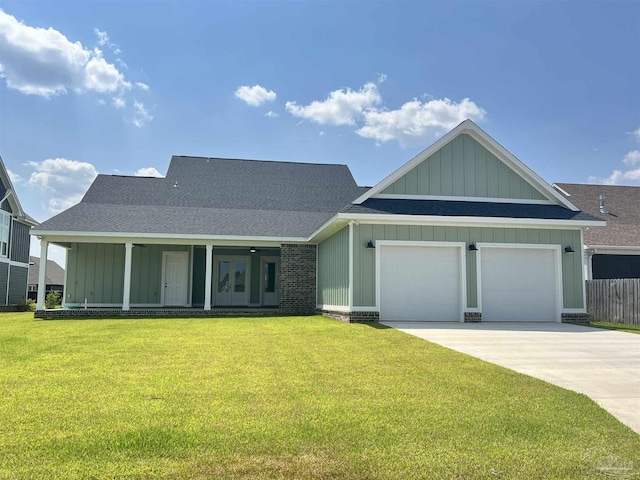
175 275
270 281
232 281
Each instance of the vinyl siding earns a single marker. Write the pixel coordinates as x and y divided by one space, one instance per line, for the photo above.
18 285
4 270
364 258
95 272
333 269
19 242
464 168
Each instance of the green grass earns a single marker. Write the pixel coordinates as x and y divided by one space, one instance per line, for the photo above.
617 326
292 397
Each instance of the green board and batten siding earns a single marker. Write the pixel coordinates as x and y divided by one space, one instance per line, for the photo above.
333 270
364 258
95 272
464 168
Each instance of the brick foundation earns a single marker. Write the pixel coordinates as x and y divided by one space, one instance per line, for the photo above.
77 313
351 317
472 317
297 279
576 318
14 308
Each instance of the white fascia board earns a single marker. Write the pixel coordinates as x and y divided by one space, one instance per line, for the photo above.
469 221
13 198
562 191
186 239
613 249
490 144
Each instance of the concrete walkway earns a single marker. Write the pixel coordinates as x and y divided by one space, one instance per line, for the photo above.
602 364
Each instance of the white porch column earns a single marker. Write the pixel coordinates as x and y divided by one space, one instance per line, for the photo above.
127 275
42 274
207 278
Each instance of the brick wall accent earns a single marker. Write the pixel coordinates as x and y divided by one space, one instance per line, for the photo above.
297 278
472 317
351 317
576 318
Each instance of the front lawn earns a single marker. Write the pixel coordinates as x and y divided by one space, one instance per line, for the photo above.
617 326
291 397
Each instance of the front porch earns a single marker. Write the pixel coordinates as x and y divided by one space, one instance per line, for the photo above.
151 279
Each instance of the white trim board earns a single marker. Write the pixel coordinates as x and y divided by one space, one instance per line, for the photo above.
479 135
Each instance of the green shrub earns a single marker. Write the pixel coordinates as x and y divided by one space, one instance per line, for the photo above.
31 305
53 299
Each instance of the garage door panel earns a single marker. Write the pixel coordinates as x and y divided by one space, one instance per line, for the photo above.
518 284
420 283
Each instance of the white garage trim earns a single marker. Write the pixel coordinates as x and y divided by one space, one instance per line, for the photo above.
557 250
381 244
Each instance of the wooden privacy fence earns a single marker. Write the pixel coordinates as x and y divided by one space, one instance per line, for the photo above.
614 300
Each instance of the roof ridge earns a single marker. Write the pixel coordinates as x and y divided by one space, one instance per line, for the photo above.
260 160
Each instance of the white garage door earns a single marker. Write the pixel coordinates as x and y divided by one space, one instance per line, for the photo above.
420 283
519 284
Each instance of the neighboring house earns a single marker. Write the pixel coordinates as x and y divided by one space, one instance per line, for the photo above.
54 280
14 244
613 251
463 231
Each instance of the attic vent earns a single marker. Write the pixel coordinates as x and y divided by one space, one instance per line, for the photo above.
602 207
175 185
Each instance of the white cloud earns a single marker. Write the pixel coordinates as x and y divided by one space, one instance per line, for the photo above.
148 172
14 177
271 114
636 133
632 157
43 61
415 121
142 86
103 38
63 181
256 95
119 102
382 78
140 114
102 101
341 107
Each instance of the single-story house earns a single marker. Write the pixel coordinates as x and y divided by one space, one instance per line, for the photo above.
14 244
463 231
54 278
612 251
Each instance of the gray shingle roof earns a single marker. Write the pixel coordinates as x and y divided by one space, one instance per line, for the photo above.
55 273
213 196
623 205
466 209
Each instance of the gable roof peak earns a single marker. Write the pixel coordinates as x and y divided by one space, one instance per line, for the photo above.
484 139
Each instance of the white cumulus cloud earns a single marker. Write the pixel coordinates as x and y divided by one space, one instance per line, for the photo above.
148 172
43 61
341 107
636 133
415 121
632 157
256 95
141 114
271 114
63 181
142 86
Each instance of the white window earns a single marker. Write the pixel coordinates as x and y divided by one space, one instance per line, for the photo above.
5 225
33 288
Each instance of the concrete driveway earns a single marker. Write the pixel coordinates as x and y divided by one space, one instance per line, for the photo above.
602 364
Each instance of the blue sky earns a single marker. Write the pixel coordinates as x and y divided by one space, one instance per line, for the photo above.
118 87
